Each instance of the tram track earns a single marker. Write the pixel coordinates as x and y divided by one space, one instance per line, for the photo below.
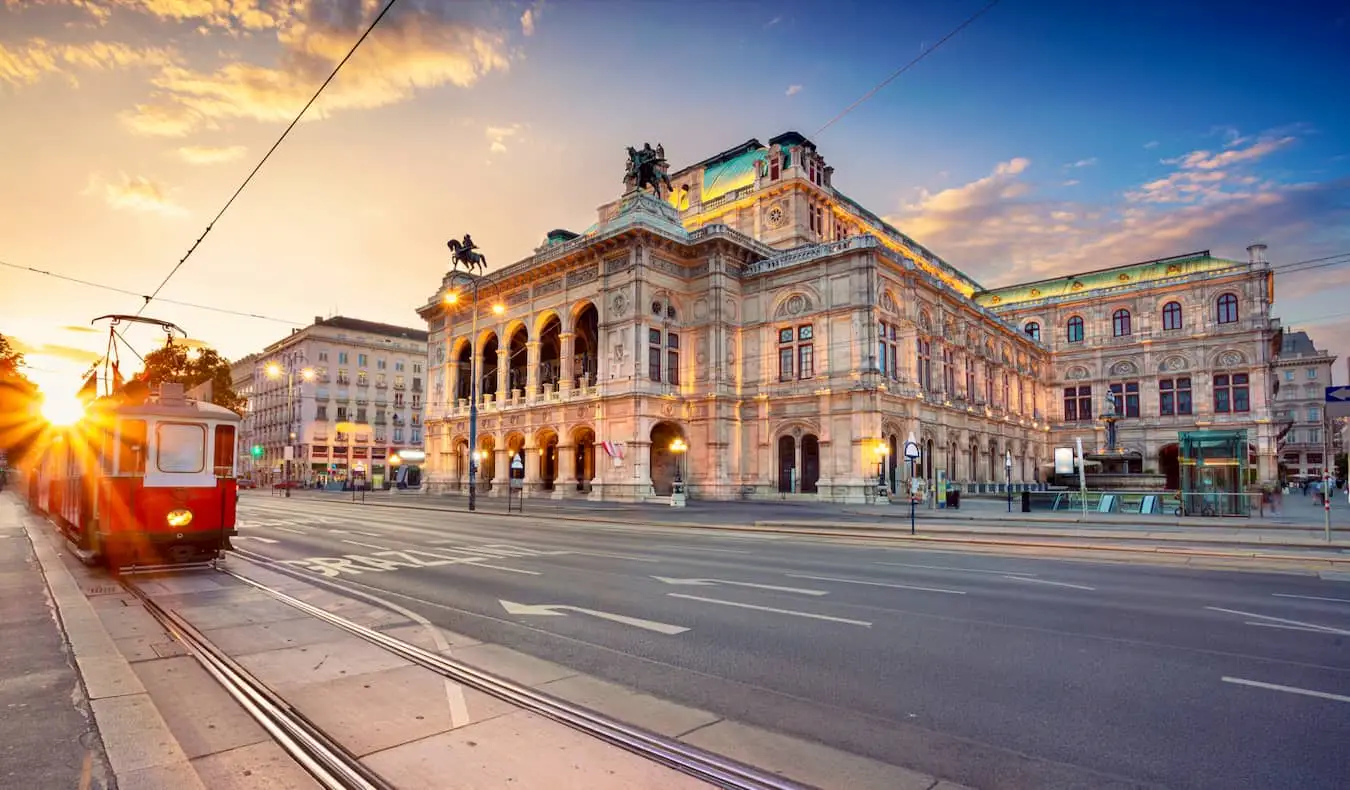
331 765
688 759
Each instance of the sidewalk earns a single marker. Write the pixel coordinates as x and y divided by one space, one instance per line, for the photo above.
47 733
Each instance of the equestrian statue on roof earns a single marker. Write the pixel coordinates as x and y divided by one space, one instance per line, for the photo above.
647 168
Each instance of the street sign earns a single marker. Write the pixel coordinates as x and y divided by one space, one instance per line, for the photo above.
517 463
1338 401
911 450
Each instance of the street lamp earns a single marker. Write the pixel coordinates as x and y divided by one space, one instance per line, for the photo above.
274 370
452 298
1007 468
678 447
883 450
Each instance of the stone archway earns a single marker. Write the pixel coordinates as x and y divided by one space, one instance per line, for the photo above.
663 461
810 463
787 463
583 439
1169 464
547 442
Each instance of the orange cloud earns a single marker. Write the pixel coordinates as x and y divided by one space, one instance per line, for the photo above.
39 58
210 155
136 193
232 14
409 50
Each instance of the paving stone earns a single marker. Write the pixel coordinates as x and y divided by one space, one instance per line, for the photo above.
134 734
261 766
240 640
630 707
511 664
198 711
521 750
285 670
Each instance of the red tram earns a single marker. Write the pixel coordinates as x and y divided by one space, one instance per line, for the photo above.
145 478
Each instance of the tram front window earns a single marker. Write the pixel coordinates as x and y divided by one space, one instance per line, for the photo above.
224 462
180 447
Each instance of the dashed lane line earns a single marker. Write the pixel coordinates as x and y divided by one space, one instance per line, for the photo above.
1287 689
1046 581
875 584
1325 629
949 568
367 545
1311 597
794 613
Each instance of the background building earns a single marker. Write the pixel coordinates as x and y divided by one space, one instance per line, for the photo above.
1181 343
1304 372
242 372
357 390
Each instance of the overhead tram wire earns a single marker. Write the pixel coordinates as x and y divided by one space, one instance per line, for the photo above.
888 80
970 20
128 292
266 156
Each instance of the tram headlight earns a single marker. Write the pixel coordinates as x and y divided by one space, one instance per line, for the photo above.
179 518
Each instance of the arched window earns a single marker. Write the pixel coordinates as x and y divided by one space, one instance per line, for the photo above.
1172 315
1033 330
1075 330
1227 309
1120 323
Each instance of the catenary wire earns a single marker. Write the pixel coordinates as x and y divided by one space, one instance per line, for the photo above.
147 299
970 20
115 289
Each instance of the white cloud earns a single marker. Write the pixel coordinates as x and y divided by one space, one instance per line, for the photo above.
793 90
997 227
135 193
210 155
1084 163
1151 144
527 22
1072 182
498 135
38 58
414 48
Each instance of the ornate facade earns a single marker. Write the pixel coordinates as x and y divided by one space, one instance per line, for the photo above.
1181 343
791 339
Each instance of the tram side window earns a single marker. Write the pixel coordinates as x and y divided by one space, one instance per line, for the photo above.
131 448
224 451
107 449
180 447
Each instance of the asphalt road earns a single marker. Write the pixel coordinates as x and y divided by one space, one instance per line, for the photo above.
989 670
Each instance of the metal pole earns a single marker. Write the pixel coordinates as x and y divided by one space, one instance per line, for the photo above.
473 404
911 497
290 386
1007 467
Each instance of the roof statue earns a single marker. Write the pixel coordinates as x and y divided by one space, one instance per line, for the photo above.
466 255
647 168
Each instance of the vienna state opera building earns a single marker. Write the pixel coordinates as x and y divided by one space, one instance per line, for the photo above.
754 333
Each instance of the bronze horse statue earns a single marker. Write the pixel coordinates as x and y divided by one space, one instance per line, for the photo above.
465 255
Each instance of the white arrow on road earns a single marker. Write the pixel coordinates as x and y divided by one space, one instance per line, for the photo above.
554 610
714 582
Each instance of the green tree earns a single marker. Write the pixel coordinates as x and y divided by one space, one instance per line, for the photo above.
18 403
193 367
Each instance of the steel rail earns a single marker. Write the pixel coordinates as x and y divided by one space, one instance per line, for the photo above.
327 761
688 759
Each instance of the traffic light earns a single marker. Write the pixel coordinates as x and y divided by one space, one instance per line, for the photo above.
257 451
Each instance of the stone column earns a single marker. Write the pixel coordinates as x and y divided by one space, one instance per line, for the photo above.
531 468
532 353
452 381
500 479
503 363
565 485
565 353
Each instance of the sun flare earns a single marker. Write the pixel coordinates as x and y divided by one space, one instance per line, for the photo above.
62 410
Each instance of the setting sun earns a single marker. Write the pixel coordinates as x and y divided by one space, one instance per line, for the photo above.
62 410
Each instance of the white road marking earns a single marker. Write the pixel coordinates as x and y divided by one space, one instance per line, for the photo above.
500 568
367 545
947 568
1043 581
715 582
367 534
862 623
253 537
1311 597
875 584
1285 627
719 551
613 556
1288 689
1326 629
553 611
296 531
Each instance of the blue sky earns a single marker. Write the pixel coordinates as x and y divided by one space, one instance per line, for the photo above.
1046 137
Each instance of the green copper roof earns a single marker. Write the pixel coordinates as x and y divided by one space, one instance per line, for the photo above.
731 174
1101 279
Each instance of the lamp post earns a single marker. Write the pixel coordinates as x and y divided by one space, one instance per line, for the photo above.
678 447
274 369
452 298
1007 468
